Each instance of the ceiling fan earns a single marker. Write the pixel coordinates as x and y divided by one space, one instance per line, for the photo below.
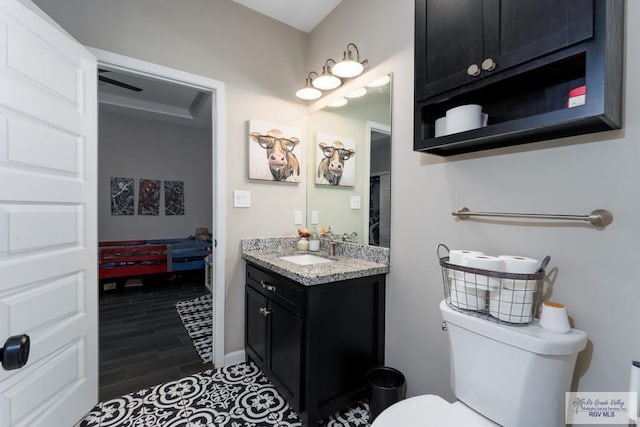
116 82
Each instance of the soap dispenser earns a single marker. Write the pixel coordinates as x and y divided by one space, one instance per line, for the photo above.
314 241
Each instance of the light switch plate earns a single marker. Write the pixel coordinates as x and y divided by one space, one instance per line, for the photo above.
314 217
297 217
241 199
355 202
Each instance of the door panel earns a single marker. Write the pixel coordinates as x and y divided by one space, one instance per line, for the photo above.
256 326
38 145
448 53
61 295
519 38
48 220
29 227
52 377
285 343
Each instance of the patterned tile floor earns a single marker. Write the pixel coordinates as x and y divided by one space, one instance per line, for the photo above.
233 396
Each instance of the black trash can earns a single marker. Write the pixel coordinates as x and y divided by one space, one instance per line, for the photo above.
386 386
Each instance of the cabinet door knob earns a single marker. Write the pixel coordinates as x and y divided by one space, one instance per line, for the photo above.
488 64
267 286
264 311
473 70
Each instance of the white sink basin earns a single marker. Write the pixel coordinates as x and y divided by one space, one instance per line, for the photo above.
306 259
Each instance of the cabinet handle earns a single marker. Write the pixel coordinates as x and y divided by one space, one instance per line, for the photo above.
473 70
264 311
488 64
267 286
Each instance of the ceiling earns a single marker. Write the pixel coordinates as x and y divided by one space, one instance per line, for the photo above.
301 14
160 100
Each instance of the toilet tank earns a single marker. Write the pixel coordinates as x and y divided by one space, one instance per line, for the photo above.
513 375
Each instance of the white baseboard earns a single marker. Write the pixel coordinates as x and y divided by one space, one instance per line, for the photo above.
234 357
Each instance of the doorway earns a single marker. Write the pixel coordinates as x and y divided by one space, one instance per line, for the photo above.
380 185
111 65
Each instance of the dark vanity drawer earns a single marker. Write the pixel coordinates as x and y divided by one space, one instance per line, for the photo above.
276 288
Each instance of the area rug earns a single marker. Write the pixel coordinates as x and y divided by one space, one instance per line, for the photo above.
197 317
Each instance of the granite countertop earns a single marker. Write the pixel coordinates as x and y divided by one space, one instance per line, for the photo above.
351 260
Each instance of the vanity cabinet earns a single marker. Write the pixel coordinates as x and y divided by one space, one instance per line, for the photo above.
314 343
519 59
274 330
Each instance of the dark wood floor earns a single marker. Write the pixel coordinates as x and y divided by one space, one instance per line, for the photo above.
142 339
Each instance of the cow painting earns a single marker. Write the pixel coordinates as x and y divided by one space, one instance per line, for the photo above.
331 168
281 160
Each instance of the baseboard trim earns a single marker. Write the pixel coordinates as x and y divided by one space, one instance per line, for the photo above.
234 357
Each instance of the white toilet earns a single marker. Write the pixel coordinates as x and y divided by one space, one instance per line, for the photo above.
514 376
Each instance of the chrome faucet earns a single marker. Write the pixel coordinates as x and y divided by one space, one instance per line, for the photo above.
331 241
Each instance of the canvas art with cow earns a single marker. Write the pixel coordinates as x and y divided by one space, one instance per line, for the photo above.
275 152
336 165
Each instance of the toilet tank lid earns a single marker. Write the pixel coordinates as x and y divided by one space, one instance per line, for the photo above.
430 410
531 337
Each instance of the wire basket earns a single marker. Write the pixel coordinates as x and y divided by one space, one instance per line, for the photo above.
509 298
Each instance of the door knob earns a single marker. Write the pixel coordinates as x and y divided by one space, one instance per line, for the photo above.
488 64
15 352
473 70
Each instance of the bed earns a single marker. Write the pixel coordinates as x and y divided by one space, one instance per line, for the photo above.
127 258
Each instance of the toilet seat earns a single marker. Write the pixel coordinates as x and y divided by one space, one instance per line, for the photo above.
429 410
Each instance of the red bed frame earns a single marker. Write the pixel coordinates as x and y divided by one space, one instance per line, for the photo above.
131 258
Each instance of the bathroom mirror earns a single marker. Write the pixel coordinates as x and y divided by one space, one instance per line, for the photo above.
349 160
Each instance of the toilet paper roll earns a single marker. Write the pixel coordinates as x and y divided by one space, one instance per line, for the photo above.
440 127
553 317
463 118
513 306
483 262
519 265
467 298
457 256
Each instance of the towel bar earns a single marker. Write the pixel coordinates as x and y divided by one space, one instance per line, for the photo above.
599 217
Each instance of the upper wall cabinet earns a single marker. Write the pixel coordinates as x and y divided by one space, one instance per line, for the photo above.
518 59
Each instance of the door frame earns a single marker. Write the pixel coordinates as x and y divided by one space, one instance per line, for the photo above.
371 127
217 89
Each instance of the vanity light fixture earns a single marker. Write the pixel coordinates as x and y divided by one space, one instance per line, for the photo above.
326 80
340 102
333 74
308 92
357 93
379 82
349 67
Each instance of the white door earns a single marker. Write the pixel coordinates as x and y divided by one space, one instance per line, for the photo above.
48 216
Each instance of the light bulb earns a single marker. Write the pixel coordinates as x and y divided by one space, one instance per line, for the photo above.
338 102
379 82
308 93
347 68
326 82
357 93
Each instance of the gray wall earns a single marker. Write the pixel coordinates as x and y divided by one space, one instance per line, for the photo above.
261 62
136 147
593 269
